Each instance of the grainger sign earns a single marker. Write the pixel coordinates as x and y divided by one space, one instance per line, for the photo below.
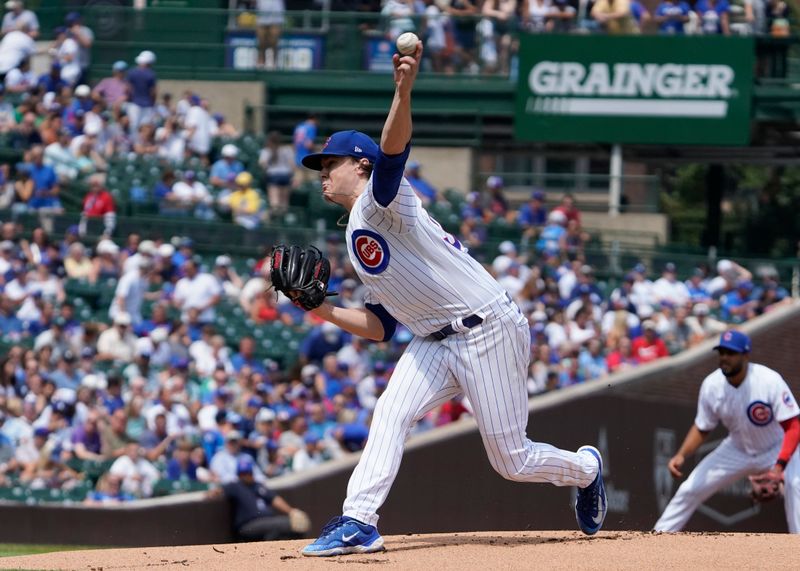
635 89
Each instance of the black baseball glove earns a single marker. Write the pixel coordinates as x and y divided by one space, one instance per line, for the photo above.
300 274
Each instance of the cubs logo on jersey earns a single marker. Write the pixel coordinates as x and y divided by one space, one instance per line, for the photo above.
759 413
371 250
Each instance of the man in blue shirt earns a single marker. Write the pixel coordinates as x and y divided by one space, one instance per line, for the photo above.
142 81
424 189
303 139
533 214
45 183
671 15
224 171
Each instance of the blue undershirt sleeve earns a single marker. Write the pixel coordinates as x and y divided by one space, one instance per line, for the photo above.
387 174
389 322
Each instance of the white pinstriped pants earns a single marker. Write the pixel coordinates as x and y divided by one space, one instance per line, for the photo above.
722 467
489 364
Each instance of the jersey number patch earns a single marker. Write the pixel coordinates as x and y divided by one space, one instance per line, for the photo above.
759 413
371 250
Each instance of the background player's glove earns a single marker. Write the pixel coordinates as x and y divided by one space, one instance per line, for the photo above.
766 486
300 274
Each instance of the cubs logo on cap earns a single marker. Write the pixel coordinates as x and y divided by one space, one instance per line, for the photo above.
371 250
734 341
343 144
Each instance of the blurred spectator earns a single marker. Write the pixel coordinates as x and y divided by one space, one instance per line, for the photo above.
671 15
65 51
197 290
303 140
245 203
224 463
398 17
622 357
640 14
45 184
438 37
117 343
714 16
552 239
189 197
464 29
278 164
137 473
424 189
669 289
729 274
270 23
533 214
98 203
614 16
84 37
77 264
51 81
320 341
497 203
535 15
198 129
562 18
114 90
142 83
495 30
16 46
20 79
227 276
738 305
224 171
649 346
308 456
20 19
131 291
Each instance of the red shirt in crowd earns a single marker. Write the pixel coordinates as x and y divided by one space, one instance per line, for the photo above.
96 204
646 351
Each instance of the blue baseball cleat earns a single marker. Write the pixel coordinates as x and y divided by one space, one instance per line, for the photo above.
343 535
591 506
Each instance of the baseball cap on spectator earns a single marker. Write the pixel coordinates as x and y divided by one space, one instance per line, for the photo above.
584 289
83 90
68 356
254 402
107 247
147 247
218 117
73 230
186 242
379 367
734 341
222 261
507 247
40 432
222 393
311 438
557 217
87 353
640 268
57 31
645 311
92 129
502 264
194 99
494 182
670 267
177 362
344 144
119 65
244 178
6 246
229 150
701 309
404 336
265 415
244 466
537 195
308 372
349 283
649 324
539 316
166 250
71 18
188 174
233 435
146 58
158 335
94 382
586 269
744 284
143 347
122 318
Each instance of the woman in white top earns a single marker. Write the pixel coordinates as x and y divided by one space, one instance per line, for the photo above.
278 164
534 14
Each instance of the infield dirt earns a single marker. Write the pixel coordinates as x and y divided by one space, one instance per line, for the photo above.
487 550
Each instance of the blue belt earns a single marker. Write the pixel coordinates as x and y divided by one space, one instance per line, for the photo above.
469 322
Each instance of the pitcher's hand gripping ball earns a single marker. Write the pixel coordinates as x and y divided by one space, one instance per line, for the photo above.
300 274
407 43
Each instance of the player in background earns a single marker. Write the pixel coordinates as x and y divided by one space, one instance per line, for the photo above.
756 406
470 338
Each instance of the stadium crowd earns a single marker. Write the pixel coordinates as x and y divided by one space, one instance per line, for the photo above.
153 385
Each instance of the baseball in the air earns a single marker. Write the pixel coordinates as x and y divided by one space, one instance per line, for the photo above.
407 43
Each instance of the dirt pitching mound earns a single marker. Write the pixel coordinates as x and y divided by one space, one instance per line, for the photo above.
507 550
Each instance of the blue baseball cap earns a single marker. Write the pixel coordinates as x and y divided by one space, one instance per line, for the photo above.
244 466
734 341
344 144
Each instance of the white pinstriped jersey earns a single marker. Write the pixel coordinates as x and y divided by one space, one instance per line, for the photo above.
751 412
419 273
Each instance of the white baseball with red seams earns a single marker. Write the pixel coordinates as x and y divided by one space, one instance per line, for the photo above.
407 43
752 413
